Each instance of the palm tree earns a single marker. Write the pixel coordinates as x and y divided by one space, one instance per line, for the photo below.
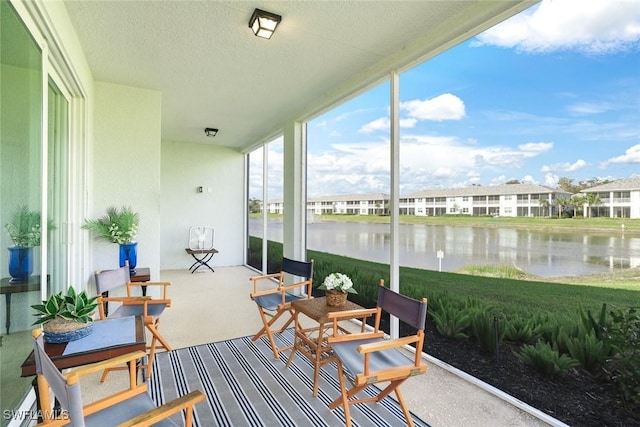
592 199
577 200
544 203
561 202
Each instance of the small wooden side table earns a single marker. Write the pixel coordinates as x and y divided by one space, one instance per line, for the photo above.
7 289
202 257
312 342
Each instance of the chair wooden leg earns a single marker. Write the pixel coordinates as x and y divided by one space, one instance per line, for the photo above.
152 352
342 399
156 335
266 329
405 410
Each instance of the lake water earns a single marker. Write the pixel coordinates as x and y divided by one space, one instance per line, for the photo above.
542 253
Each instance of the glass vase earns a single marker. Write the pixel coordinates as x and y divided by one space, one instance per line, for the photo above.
20 264
129 253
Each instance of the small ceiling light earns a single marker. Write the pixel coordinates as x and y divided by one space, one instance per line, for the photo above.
263 24
211 132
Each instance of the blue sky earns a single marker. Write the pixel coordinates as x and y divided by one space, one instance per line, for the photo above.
552 92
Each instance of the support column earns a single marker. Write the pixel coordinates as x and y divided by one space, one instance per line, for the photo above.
295 191
395 189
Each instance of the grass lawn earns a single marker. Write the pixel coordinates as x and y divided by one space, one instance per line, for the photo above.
558 298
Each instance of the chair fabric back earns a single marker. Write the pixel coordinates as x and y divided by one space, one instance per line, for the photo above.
409 310
107 280
298 268
69 396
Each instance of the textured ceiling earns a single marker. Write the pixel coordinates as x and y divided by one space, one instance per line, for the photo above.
213 72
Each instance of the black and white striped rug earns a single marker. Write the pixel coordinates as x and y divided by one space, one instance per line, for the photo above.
246 386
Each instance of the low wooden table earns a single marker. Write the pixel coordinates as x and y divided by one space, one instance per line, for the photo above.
62 361
312 342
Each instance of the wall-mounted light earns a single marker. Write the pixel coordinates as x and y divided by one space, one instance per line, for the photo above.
211 132
263 24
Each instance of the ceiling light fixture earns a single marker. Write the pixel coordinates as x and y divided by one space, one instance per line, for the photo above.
263 24
211 132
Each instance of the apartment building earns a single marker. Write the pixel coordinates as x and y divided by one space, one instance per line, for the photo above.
618 199
503 200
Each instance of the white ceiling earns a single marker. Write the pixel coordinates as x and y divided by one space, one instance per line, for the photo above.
213 72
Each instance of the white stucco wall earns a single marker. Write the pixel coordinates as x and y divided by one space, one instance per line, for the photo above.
126 168
220 172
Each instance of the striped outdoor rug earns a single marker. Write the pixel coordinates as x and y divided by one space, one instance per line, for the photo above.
246 386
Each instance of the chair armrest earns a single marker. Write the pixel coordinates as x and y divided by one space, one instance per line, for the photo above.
387 344
100 366
129 300
265 292
166 410
265 276
164 286
256 279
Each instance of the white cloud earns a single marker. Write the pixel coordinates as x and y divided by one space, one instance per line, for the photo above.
442 107
564 166
631 155
587 108
551 180
534 148
588 26
383 123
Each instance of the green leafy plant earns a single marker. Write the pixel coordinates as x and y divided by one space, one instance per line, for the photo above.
488 329
24 227
117 226
450 320
545 359
623 368
522 330
71 306
588 349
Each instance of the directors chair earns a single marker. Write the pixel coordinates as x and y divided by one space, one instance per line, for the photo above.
130 407
275 301
368 358
149 308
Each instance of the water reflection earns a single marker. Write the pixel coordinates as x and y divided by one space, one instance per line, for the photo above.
543 253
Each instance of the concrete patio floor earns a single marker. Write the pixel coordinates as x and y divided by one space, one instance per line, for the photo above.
215 306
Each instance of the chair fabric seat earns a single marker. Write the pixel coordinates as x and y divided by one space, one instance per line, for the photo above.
153 310
353 361
272 301
124 411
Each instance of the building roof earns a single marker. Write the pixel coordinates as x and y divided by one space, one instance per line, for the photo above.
488 190
619 185
349 197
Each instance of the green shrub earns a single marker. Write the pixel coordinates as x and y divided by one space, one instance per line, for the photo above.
487 328
623 368
450 320
522 330
589 350
545 359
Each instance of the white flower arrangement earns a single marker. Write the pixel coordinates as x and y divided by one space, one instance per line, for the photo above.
338 282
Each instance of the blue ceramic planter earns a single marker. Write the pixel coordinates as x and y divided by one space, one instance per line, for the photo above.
129 252
20 264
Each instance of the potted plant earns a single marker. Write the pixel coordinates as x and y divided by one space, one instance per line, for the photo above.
118 226
24 230
337 286
66 317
